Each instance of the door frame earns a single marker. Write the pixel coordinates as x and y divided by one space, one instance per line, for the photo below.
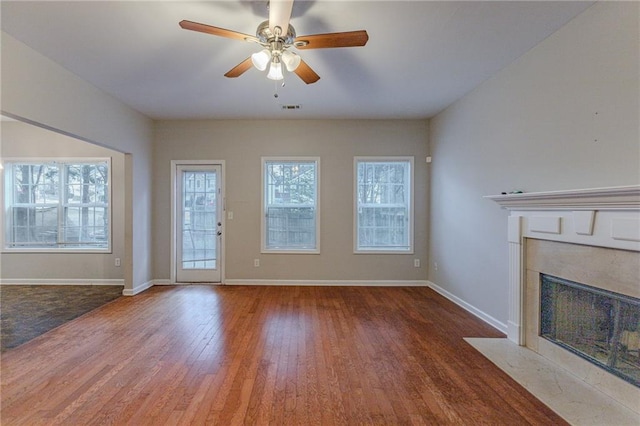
174 214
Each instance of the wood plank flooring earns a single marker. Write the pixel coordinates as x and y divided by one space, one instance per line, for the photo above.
265 355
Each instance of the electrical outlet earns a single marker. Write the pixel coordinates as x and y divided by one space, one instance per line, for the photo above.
256 263
435 265
117 261
416 263
230 215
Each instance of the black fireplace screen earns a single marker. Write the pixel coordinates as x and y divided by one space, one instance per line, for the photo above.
598 325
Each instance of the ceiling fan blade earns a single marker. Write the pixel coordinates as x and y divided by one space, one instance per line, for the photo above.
208 29
321 41
305 72
239 69
279 14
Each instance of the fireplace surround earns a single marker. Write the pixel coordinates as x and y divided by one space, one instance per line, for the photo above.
589 236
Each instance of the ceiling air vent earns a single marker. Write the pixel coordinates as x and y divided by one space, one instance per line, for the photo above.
290 107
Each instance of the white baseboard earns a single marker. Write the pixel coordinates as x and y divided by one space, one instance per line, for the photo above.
163 282
169 282
138 289
498 325
362 283
352 283
60 281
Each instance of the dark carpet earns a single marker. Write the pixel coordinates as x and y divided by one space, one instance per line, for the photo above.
27 311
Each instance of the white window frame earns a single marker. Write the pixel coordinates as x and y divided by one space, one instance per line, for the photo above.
5 214
263 220
410 220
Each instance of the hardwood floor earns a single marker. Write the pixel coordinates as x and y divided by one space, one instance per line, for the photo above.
265 355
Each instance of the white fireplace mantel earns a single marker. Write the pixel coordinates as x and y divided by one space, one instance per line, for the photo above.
603 217
613 198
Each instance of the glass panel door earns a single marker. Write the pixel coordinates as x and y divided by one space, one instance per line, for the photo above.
198 225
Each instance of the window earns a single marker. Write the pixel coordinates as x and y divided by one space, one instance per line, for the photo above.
290 205
57 204
383 205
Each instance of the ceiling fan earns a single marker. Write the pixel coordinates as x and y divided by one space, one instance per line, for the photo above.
276 43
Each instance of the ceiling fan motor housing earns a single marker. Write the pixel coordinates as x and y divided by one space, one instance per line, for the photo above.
266 36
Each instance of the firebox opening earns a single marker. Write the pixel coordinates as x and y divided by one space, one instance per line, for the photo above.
598 325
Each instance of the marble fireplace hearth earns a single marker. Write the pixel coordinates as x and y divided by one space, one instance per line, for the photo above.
576 401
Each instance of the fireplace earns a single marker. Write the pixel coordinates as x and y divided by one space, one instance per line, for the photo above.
588 240
597 325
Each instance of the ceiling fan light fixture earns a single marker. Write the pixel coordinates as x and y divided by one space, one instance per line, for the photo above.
291 60
275 42
275 71
261 59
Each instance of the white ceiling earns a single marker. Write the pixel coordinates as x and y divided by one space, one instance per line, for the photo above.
421 55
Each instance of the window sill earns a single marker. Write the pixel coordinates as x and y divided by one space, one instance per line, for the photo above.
264 251
383 251
54 251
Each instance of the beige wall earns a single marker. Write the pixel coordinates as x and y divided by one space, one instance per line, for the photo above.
563 116
242 144
37 90
20 140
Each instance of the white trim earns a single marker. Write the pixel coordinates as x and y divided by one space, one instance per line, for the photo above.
172 207
41 160
290 251
498 325
515 332
56 250
3 204
164 281
383 251
611 198
137 289
329 283
60 281
627 229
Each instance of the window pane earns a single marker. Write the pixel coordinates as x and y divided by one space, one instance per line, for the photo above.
85 218
291 227
383 227
35 184
35 226
87 225
291 183
290 205
87 183
199 224
383 205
